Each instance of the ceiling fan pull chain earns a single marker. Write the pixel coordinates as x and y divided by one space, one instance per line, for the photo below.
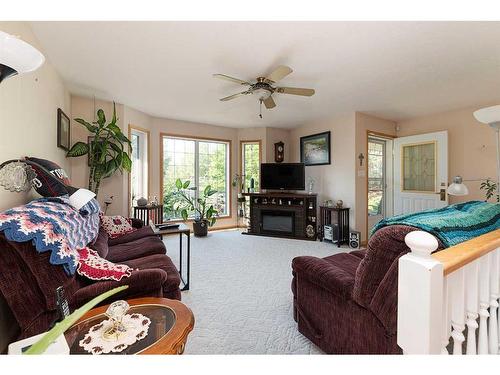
260 108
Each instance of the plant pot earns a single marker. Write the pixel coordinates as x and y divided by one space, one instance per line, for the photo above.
200 228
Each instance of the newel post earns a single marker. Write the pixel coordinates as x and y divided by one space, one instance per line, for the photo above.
420 296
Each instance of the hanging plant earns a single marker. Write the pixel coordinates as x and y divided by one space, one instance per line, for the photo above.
108 151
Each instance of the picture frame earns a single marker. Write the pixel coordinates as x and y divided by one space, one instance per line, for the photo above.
63 130
315 149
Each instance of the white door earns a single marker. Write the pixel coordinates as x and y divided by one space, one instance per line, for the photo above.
420 172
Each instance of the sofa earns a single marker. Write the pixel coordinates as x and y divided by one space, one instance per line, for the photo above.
347 303
28 281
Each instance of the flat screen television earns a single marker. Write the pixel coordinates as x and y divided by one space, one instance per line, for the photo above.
282 176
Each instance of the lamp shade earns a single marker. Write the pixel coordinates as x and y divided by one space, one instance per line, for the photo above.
17 56
457 188
80 198
488 115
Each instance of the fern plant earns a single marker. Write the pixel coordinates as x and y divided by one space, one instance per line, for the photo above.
108 150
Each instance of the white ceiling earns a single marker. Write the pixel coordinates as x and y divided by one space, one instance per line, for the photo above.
394 70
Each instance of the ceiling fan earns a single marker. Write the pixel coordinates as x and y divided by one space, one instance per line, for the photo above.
264 87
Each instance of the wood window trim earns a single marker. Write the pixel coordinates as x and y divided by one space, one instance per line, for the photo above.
148 139
242 143
192 137
371 133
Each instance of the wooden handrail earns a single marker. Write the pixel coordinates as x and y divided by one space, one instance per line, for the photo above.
462 254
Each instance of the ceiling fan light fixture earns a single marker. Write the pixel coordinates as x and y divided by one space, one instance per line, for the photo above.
262 93
17 56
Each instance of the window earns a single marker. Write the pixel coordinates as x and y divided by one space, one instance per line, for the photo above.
376 177
139 176
250 164
202 162
419 167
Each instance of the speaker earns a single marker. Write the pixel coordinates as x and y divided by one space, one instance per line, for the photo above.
354 239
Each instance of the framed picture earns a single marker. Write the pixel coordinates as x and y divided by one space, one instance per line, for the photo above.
63 130
315 149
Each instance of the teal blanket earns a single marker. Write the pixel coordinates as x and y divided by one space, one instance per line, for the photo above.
452 224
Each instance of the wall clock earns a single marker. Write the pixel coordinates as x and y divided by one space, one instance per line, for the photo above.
279 152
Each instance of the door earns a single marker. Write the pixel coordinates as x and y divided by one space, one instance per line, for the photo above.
420 172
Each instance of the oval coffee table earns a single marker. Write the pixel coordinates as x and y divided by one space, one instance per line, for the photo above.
171 323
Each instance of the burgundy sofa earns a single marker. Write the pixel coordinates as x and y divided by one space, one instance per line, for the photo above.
347 303
28 281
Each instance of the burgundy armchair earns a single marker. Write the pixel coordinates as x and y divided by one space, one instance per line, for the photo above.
347 303
28 281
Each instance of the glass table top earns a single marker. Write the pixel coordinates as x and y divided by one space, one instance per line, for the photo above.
162 321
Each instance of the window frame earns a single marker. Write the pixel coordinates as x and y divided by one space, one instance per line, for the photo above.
229 143
242 158
146 132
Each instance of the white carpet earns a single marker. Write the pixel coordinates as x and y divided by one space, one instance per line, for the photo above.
240 293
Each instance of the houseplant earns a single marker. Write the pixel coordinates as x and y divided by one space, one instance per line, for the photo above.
108 150
41 345
204 215
490 188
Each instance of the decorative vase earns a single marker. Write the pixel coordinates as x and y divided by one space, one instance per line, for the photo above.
200 228
142 202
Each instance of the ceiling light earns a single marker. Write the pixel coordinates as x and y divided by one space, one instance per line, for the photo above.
17 56
262 93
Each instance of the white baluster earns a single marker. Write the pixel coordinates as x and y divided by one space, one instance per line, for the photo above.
471 305
498 314
484 279
420 296
456 284
446 325
493 323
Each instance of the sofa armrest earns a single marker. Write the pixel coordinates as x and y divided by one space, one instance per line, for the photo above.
136 223
141 283
323 274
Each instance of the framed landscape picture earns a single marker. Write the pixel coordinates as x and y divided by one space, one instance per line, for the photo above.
63 130
315 149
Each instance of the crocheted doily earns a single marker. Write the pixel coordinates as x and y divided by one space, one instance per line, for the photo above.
137 328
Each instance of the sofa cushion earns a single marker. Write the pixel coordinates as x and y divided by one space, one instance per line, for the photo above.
161 262
136 249
100 244
358 253
334 273
133 236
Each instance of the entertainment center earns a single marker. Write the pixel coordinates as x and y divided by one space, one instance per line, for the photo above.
288 215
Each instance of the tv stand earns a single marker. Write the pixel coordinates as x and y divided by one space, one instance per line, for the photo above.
282 214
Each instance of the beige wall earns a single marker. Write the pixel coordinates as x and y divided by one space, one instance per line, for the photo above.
28 124
28 114
274 135
365 123
471 145
337 180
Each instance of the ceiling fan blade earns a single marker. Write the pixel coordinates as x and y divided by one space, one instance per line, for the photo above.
269 102
279 73
232 79
295 91
230 97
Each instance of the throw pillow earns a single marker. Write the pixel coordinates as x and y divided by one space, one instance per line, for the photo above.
116 226
51 180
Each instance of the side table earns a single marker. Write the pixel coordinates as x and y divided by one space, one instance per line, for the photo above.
338 216
182 229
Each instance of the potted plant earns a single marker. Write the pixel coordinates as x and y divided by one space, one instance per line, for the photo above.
204 215
41 345
108 150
